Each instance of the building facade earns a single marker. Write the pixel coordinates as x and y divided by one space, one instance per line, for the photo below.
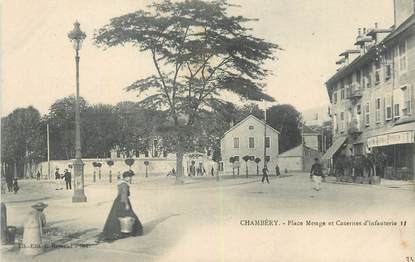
246 138
299 158
372 95
316 116
311 138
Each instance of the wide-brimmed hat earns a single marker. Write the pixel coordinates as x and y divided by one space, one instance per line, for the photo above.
128 173
40 206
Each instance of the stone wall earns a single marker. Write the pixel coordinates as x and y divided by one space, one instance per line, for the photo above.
156 166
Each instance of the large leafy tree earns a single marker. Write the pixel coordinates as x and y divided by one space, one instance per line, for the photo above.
199 52
250 109
287 120
100 130
135 125
22 141
62 127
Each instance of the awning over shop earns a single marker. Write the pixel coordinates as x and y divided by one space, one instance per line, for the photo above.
399 134
334 148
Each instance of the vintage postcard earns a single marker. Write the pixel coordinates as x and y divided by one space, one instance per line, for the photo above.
207 130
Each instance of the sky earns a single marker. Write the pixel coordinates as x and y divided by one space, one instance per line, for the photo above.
38 66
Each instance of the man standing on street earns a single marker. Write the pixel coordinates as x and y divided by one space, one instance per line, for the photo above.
68 179
277 170
9 182
265 174
58 180
316 173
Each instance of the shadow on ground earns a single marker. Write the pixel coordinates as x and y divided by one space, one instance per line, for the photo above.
151 225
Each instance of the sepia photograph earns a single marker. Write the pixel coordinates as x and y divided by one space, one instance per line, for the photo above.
207 130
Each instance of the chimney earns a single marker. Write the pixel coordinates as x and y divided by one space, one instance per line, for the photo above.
376 25
231 123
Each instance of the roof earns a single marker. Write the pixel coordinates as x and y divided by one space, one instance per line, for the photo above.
245 119
361 60
334 148
296 151
308 130
349 51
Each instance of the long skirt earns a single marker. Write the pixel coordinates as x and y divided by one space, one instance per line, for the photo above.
112 228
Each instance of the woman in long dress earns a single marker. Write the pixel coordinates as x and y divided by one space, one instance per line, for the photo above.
121 208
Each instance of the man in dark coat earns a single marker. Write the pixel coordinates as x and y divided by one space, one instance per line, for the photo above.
265 174
277 170
68 179
9 182
15 185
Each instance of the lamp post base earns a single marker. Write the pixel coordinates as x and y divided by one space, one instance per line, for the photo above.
78 196
78 193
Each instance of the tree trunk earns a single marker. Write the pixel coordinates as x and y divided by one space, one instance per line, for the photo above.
246 166
15 170
25 170
179 164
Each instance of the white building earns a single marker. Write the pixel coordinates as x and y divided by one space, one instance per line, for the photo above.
246 138
316 116
299 158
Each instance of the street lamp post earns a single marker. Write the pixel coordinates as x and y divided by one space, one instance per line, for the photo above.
77 36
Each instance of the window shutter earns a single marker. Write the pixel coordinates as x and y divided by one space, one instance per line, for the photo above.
412 98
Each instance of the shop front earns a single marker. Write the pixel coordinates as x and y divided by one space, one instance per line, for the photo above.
398 143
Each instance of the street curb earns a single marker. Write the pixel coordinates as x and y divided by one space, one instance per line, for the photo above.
369 185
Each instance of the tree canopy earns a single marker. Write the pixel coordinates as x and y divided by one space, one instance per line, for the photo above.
199 52
287 120
22 142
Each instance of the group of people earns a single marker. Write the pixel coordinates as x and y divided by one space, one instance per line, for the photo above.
197 171
11 183
316 174
66 176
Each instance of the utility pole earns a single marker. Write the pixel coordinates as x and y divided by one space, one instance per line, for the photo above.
265 135
48 143
302 133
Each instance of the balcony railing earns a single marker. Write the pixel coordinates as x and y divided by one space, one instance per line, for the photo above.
354 127
355 93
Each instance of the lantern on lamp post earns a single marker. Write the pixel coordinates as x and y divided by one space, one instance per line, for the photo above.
77 36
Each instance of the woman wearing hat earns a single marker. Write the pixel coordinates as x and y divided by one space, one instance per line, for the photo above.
121 208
